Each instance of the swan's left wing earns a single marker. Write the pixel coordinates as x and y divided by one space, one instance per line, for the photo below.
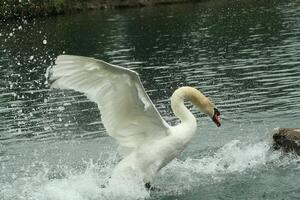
126 110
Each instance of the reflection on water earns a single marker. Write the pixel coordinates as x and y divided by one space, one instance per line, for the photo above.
245 57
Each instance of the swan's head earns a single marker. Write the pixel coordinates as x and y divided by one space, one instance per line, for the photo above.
207 107
203 103
217 117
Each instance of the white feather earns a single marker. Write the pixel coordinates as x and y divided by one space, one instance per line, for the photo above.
127 112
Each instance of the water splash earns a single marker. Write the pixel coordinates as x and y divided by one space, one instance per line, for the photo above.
61 184
234 156
94 181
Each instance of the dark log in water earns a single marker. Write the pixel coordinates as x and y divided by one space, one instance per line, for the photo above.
287 139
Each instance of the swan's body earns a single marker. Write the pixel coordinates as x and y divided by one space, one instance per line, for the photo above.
146 142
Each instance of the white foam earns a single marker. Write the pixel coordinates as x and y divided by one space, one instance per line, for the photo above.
126 186
235 156
92 184
77 187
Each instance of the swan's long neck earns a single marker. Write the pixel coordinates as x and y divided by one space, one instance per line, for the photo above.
184 132
180 110
178 107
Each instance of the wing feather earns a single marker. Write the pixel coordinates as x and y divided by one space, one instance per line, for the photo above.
127 112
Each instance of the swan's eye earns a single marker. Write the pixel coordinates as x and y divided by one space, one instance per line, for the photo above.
217 112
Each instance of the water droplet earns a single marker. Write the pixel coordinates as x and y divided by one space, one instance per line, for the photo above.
61 108
44 41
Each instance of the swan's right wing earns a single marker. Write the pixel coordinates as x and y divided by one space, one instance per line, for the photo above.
126 110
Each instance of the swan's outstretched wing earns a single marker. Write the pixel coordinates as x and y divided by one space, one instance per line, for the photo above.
126 110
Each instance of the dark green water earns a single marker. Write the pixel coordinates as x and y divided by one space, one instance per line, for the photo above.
244 56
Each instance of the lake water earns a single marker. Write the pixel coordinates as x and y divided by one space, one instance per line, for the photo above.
243 55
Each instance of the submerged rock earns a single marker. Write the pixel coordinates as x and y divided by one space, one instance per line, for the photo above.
287 139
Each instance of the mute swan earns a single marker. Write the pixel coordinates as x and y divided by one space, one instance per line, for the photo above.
146 142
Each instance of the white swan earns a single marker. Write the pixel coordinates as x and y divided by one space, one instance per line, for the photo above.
146 142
